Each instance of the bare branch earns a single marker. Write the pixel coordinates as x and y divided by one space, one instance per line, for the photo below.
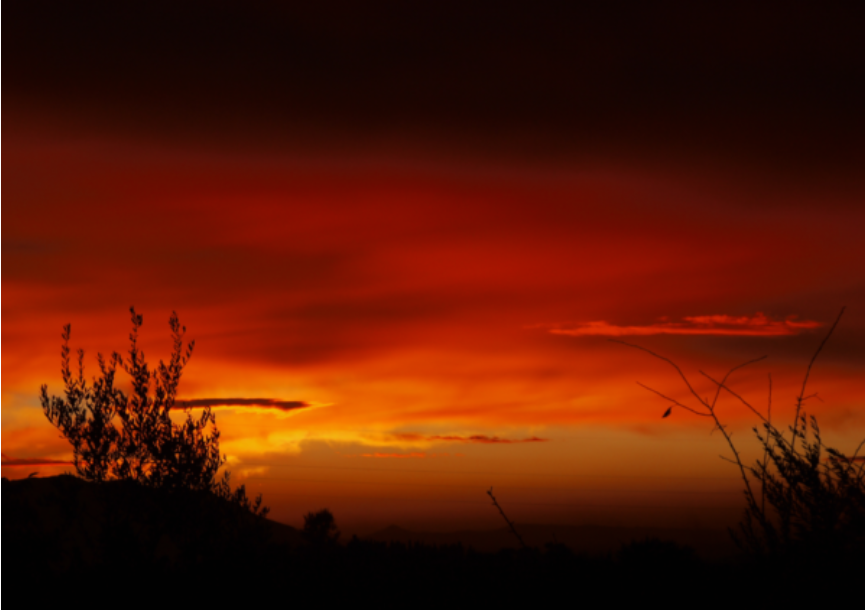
730 372
671 363
722 384
801 398
674 401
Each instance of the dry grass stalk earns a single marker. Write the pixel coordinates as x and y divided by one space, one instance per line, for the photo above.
505 517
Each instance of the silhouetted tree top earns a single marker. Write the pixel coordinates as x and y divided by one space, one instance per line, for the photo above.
145 445
319 529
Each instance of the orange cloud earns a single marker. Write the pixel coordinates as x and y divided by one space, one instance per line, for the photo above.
758 325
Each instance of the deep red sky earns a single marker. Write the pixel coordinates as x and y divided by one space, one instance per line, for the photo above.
429 244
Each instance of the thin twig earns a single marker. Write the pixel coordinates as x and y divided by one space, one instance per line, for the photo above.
505 517
673 364
861 472
802 398
674 401
722 384
724 381
858 449
766 450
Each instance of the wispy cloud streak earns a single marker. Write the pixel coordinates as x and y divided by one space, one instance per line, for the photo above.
454 438
858 458
265 404
399 456
758 325
8 461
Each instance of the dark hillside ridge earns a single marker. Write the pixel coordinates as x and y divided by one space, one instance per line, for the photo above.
64 537
65 524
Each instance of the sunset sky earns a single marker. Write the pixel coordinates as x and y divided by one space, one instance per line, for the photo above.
403 237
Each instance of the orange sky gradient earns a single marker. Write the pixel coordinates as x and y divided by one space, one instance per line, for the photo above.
402 294
392 309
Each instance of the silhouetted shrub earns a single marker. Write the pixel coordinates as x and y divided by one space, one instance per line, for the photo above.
148 446
817 494
805 502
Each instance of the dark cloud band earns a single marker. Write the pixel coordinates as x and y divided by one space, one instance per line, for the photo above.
239 403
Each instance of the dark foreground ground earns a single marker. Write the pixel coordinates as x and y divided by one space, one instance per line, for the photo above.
67 541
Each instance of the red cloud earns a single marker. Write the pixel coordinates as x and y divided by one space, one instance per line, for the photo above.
758 325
